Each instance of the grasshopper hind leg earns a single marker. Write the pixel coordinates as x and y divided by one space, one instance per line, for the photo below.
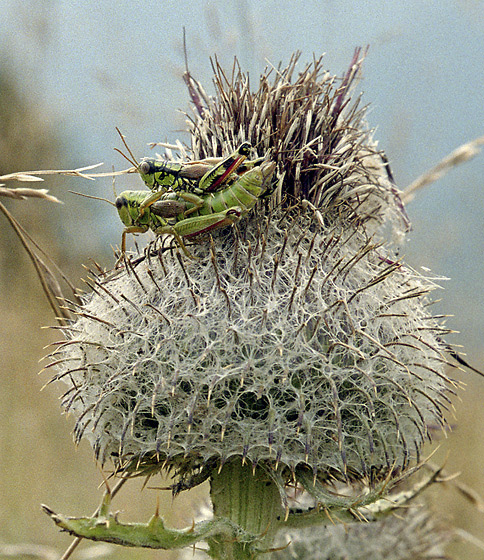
218 175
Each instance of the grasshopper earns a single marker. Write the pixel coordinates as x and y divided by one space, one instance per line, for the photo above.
193 180
167 213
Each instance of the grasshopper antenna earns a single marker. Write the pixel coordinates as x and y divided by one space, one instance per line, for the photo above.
100 197
94 197
132 161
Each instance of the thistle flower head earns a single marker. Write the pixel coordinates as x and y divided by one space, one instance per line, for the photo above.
314 130
295 339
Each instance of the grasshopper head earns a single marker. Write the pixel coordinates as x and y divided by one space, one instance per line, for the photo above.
123 210
244 149
147 170
159 175
127 204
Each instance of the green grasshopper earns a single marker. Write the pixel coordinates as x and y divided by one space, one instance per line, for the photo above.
212 211
193 180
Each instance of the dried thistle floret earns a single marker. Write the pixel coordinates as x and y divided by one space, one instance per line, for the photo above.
314 130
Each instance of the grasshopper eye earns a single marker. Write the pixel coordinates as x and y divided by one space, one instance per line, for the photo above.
244 149
145 168
121 202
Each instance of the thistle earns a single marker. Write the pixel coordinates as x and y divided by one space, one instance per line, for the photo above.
296 349
413 535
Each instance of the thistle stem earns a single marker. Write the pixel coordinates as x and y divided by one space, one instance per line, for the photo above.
250 499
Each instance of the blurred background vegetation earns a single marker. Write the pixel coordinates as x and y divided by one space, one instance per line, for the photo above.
71 72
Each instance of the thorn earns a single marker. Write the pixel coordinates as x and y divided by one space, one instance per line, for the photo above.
131 268
274 272
192 528
311 246
152 276
291 299
460 360
310 279
48 511
157 509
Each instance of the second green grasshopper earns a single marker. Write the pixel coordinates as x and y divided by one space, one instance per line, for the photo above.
193 180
